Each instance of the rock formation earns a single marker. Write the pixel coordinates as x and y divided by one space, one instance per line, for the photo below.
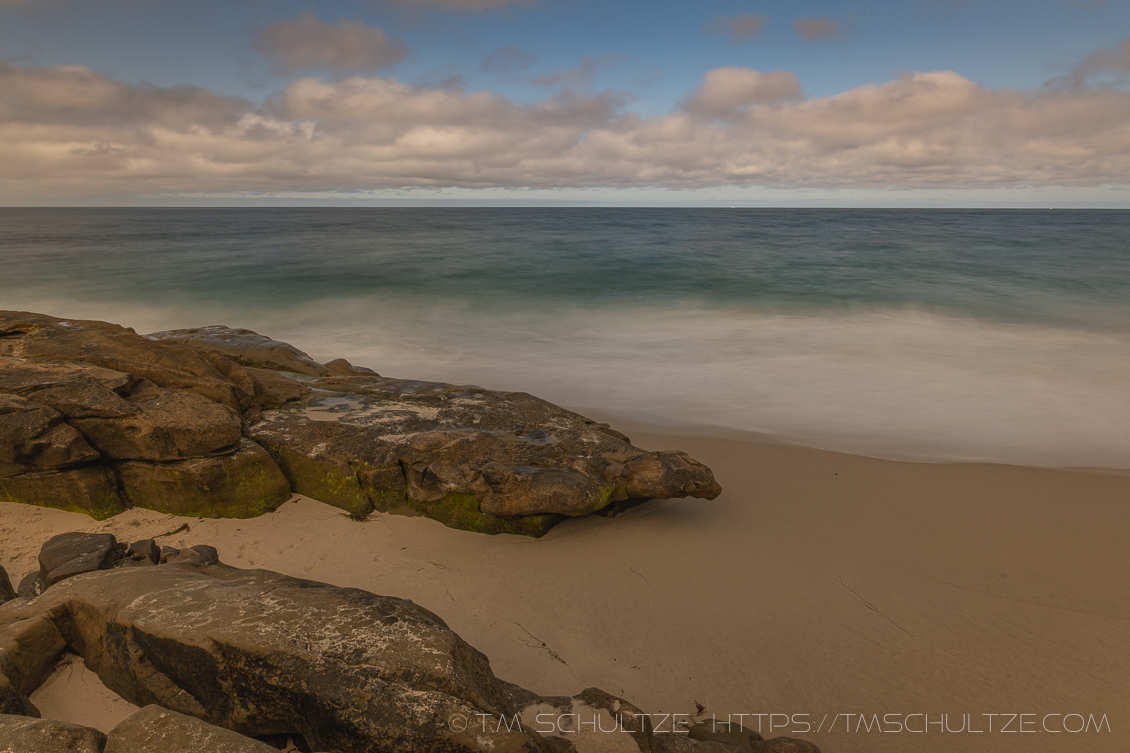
21 734
7 593
215 652
159 730
224 422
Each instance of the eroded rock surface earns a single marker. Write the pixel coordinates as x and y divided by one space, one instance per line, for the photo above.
157 730
247 347
472 458
218 655
260 653
95 418
21 734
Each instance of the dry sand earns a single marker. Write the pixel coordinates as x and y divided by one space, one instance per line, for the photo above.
819 583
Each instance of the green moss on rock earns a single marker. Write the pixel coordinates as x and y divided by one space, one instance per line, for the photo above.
384 485
243 484
462 511
325 480
91 490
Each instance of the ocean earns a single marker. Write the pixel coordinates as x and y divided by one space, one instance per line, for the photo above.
944 335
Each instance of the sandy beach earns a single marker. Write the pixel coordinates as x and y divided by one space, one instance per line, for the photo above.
819 585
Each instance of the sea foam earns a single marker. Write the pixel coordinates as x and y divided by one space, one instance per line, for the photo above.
904 384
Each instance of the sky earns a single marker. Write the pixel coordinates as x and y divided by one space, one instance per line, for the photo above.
656 102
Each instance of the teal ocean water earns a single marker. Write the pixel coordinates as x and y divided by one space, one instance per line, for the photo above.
997 335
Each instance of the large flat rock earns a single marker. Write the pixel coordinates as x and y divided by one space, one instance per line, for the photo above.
157 730
219 655
222 421
42 339
259 653
470 457
21 734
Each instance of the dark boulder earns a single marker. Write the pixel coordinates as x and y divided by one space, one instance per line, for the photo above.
22 734
69 554
145 550
241 484
13 702
35 437
7 593
91 489
261 653
31 585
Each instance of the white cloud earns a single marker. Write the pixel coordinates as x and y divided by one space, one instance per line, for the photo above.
308 42
66 131
724 90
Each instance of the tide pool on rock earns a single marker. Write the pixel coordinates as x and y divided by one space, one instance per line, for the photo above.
216 421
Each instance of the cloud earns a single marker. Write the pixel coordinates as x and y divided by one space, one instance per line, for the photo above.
70 95
67 131
739 28
1111 63
1116 61
816 28
508 60
308 42
580 77
724 91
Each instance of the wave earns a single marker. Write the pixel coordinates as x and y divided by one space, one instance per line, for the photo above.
899 383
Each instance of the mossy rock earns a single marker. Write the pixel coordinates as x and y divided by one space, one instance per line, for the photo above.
462 511
326 480
91 490
243 484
